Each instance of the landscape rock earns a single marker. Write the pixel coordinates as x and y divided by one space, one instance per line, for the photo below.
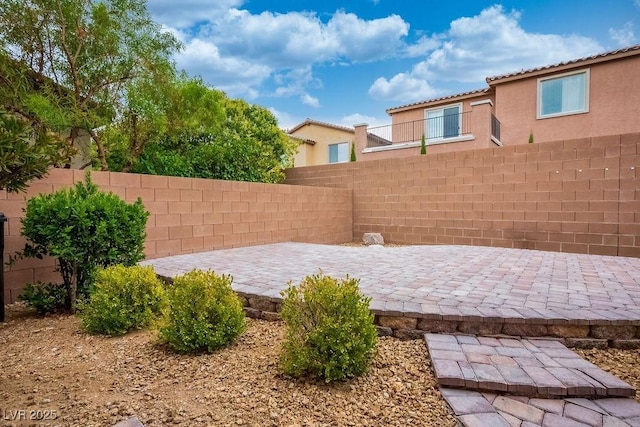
397 322
372 239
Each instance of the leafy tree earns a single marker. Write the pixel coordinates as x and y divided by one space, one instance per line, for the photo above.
68 64
25 153
161 108
423 145
352 157
249 147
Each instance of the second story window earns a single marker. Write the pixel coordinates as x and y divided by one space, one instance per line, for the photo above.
339 153
563 95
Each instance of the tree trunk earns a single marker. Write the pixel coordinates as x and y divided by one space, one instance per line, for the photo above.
136 146
73 285
102 154
71 141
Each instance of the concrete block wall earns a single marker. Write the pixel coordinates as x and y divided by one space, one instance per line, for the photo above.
193 215
578 196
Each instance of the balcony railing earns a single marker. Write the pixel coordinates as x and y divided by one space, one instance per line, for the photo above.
495 127
435 129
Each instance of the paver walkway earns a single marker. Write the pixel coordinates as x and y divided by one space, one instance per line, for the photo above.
531 367
475 409
455 281
527 382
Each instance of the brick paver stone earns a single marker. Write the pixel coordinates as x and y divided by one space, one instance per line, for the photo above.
520 410
547 384
484 420
553 420
489 378
582 414
620 407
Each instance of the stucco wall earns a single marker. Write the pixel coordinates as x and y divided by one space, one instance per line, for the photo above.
580 195
614 97
193 215
318 154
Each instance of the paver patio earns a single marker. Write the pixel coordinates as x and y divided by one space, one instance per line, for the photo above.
443 282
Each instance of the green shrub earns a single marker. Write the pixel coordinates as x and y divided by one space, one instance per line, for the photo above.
45 297
204 314
123 298
84 228
423 145
330 330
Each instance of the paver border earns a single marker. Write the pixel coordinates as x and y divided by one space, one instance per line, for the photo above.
392 319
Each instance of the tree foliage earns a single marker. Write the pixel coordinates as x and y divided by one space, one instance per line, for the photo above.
68 64
103 68
248 147
25 153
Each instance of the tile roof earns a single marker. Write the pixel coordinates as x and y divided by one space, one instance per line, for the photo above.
318 123
634 49
559 64
443 98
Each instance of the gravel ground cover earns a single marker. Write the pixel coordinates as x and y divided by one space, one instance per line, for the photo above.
49 364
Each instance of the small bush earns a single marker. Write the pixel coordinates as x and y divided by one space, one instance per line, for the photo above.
85 229
45 297
330 330
205 313
123 298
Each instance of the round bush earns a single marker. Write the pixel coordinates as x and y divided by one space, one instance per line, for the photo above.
330 330
123 298
205 313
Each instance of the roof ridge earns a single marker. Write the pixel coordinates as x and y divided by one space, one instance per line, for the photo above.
568 62
442 98
319 123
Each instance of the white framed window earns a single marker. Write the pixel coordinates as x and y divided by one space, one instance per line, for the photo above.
563 94
443 122
339 153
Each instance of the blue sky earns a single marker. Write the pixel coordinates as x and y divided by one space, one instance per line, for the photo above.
347 62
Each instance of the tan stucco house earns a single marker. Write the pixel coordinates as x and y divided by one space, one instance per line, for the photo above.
321 143
593 96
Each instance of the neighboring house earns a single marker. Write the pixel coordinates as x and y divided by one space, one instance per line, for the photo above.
593 96
321 143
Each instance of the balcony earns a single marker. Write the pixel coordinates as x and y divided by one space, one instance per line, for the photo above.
436 130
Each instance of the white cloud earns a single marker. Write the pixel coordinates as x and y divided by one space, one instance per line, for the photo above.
402 87
477 47
239 52
361 40
357 118
623 36
285 120
232 75
423 46
309 100
185 13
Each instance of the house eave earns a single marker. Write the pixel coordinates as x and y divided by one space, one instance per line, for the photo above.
565 66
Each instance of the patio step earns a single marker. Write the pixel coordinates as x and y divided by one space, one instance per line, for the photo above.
528 367
475 409
504 382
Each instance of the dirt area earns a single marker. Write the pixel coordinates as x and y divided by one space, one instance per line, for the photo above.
49 364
